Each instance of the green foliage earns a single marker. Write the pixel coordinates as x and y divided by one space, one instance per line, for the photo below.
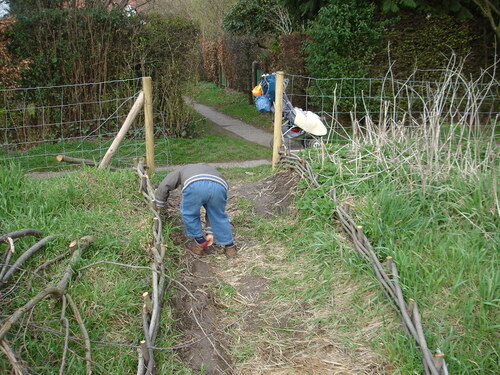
344 38
165 48
488 10
25 6
318 202
343 41
251 17
79 41
304 9
459 7
94 44
427 43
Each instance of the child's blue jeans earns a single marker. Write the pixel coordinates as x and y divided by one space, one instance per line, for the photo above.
212 196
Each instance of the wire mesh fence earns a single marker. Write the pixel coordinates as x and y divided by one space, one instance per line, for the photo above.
348 105
79 121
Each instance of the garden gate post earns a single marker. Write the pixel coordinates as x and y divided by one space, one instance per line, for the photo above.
148 124
278 108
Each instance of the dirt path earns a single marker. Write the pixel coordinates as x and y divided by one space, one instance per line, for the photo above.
251 329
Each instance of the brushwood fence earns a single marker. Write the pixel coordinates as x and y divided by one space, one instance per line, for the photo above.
386 272
79 121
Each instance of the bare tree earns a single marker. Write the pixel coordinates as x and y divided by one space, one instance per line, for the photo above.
281 20
208 14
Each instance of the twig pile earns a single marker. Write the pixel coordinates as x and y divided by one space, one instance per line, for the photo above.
152 303
57 290
386 273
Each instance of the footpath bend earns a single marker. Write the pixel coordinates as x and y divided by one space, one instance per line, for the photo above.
238 127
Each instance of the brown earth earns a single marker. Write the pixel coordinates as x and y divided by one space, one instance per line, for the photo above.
227 309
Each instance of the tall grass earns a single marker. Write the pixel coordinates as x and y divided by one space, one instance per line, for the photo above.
425 190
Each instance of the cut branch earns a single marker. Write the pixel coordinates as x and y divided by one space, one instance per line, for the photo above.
20 233
71 160
6 257
83 329
23 257
16 365
58 290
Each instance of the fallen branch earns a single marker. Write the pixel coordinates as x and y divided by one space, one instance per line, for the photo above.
114 264
6 257
132 346
58 290
16 366
71 160
64 321
20 233
23 257
83 329
45 265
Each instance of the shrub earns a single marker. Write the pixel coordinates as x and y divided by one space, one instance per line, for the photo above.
92 44
344 38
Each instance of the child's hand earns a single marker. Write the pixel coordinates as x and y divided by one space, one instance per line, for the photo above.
210 239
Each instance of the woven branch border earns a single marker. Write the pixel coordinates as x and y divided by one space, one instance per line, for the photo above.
386 272
152 304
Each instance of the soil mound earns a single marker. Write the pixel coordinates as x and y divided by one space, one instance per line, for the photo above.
271 196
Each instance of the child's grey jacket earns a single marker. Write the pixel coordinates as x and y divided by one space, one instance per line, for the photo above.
185 176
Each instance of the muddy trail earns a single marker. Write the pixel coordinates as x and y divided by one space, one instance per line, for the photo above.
228 311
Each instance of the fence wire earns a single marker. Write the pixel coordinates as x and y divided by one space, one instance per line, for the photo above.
79 121
348 103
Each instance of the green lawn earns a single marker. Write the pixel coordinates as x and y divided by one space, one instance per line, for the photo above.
210 144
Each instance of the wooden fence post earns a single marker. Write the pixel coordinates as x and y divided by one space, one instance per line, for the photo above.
119 137
278 109
148 124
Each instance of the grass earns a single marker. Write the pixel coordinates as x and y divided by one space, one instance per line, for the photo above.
86 202
210 144
310 298
440 226
443 235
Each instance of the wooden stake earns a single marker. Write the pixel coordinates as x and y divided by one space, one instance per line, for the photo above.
278 109
139 102
147 302
359 233
428 360
148 123
145 353
410 308
388 265
438 361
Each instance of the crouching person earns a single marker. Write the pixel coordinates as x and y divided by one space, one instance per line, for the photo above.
202 185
